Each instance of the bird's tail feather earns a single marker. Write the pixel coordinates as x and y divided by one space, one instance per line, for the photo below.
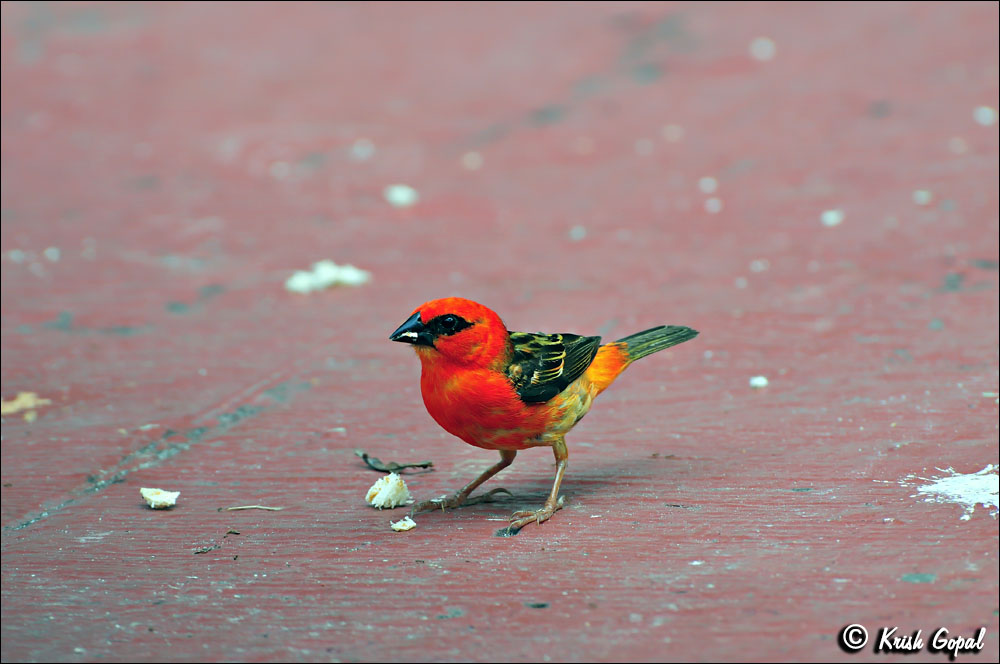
613 358
656 339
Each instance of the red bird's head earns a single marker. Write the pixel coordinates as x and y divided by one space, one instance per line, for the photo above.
455 330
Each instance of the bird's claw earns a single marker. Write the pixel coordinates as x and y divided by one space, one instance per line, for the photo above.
522 518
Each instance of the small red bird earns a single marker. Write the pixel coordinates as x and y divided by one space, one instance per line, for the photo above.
509 391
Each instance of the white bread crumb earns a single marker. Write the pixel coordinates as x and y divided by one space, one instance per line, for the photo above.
390 491
406 523
324 274
159 499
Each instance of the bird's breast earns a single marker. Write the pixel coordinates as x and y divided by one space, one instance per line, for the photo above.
482 408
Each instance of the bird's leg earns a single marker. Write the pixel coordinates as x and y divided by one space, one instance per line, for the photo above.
519 520
462 497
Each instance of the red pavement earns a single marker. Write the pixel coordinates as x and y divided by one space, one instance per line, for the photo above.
167 166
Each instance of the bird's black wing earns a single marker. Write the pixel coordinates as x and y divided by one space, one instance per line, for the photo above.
543 365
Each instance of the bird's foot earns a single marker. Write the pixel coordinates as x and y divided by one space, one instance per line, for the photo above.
522 518
454 500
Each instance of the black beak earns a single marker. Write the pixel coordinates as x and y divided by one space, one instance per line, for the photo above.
413 332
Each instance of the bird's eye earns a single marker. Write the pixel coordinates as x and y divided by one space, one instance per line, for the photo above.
449 322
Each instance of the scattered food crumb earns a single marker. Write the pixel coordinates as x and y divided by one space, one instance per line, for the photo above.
406 523
401 195
324 274
250 507
758 382
389 491
159 499
23 401
713 205
922 197
52 253
832 218
577 233
763 49
708 185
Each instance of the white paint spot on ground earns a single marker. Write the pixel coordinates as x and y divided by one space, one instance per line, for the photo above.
713 205
280 170
362 149
401 195
708 185
967 491
95 537
759 265
38 120
583 145
832 218
957 145
740 282
577 233
757 382
985 115
763 49
228 148
472 161
696 563
52 253
16 255
922 197
672 133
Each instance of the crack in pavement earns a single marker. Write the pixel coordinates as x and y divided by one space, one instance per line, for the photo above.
167 446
